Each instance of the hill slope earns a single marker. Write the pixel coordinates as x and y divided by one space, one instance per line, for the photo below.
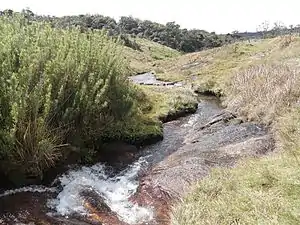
164 100
258 81
149 52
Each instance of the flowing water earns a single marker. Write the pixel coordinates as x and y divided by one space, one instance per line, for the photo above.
115 191
64 198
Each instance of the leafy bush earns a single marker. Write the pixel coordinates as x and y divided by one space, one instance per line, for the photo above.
129 43
55 86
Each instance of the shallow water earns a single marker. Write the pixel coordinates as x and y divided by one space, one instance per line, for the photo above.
115 190
65 200
150 79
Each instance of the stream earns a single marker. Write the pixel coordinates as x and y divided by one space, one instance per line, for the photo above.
64 202
143 192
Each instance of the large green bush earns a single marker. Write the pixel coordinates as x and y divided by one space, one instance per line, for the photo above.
57 86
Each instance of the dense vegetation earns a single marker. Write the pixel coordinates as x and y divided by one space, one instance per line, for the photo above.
170 34
62 87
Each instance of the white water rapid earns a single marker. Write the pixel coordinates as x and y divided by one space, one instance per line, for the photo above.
115 191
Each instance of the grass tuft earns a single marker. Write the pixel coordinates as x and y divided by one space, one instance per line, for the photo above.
169 100
261 92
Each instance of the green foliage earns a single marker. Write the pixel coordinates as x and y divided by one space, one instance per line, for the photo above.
170 34
55 85
130 43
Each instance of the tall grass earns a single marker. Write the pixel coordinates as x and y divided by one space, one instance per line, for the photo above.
262 92
256 191
56 85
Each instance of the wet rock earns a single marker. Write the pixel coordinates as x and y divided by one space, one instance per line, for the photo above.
216 138
223 116
73 221
205 92
95 201
118 153
150 79
25 207
154 196
100 212
222 146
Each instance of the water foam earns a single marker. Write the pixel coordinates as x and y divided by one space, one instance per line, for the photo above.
34 188
192 121
115 190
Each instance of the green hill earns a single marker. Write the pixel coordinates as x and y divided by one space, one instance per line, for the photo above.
149 53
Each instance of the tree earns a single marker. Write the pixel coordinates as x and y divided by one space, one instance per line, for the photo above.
264 28
127 24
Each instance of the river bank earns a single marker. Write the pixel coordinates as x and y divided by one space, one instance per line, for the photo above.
143 192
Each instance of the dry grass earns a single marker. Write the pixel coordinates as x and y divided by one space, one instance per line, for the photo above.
261 191
256 191
37 148
287 130
210 65
262 92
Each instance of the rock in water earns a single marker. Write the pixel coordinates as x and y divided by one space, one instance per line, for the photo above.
95 201
99 211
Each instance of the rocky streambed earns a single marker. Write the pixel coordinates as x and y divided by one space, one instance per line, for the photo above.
150 79
143 192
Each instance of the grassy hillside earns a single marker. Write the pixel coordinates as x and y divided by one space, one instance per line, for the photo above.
144 60
259 81
206 68
162 101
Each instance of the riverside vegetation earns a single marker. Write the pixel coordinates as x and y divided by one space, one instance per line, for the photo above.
63 88
56 85
51 79
258 81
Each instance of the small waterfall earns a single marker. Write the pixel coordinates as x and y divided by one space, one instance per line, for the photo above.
114 190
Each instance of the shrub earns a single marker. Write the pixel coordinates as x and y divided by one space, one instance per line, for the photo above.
55 85
130 43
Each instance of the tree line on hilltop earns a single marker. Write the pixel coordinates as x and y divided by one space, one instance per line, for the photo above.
170 34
